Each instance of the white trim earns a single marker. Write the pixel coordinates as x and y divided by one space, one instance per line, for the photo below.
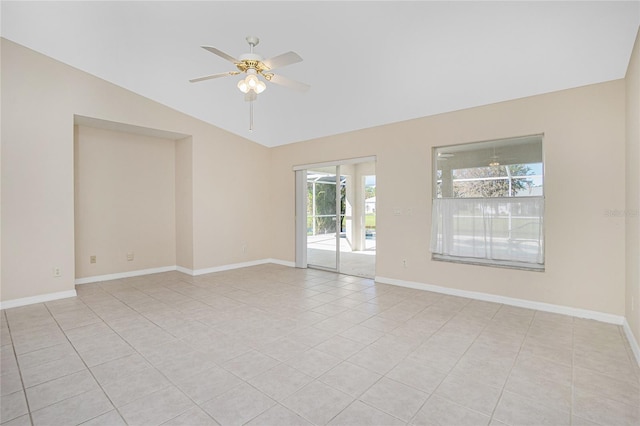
128 128
240 265
529 304
227 267
282 262
108 277
301 219
510 264
184 270
635 348
369 159
129 274
14 303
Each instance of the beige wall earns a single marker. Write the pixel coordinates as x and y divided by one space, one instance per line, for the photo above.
231 193
184 203
40 97
632 311
124 201
584 153
232 201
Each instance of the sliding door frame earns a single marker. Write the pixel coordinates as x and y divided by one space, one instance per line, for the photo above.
301 208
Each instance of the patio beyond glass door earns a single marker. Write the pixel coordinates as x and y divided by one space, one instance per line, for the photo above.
335 216
323 218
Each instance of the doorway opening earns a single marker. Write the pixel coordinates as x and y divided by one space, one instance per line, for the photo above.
339 233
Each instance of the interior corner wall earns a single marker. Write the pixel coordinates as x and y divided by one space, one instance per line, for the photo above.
584 170
37 224
124 202
184 202
632 208
37 183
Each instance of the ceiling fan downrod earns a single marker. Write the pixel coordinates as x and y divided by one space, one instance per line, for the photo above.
251 116
253 41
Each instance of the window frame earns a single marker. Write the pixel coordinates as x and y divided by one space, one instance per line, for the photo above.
485 261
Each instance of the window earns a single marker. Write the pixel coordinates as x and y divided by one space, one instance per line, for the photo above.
488 203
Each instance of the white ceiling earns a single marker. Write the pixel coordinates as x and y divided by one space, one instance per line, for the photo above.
368 63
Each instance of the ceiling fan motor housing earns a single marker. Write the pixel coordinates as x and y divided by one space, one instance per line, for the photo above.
251 57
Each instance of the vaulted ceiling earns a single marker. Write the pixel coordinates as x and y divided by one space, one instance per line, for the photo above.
368 63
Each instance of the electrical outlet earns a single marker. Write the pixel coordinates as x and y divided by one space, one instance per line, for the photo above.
92 259
130 256
244 249
57 272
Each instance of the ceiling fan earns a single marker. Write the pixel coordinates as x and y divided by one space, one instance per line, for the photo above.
255 65
497 160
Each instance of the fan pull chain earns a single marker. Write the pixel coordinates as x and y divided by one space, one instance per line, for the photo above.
251 116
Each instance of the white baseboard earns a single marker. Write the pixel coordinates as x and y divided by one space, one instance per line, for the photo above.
119 275
236 266
522 303
632 340
184 270
228 267
14 303
192 272
282 262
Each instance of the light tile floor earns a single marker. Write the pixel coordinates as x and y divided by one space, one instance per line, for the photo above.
271 345
321 251
357 263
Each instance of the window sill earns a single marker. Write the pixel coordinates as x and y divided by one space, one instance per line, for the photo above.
491 263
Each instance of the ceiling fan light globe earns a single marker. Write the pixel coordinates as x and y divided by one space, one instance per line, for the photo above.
260 87
252 81
243 86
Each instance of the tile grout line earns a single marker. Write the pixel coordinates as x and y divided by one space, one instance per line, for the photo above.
85 364
406 356
515 360
146 360
396 364
225 369
454 365
627 345
115 332
246 382
218 365
355 398
317 379
13 349
573 369
109 326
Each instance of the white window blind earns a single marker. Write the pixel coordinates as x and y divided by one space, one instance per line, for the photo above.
502 229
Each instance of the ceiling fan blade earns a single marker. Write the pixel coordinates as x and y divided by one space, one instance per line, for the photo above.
282 60
209 77
221 54
287 82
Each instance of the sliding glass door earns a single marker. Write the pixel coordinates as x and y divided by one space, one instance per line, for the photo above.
335 216
323 224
